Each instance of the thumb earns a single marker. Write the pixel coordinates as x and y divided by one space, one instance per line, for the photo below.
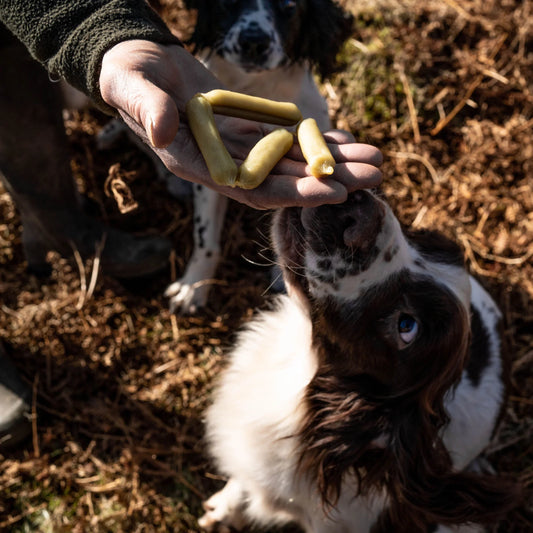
153 109
126 75
140 101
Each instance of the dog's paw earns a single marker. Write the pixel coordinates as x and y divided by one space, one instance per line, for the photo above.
187 298
223 511
210 524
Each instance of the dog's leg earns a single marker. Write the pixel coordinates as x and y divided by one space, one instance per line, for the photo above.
224 509
190 292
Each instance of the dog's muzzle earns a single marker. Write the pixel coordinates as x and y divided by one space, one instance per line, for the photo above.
353 225
254 46
331 241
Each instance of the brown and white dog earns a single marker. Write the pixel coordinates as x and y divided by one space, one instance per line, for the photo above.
267 48
362 400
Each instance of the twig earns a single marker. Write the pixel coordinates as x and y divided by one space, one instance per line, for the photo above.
448 118
175 328
99 489
519 399
453 4
86 292
524 127
416 222
513 261
83 279
487 24
470 254
472 87
424 160
19 517
96 266
410 104
498 447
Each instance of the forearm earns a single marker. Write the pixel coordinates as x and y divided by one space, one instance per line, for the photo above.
70 37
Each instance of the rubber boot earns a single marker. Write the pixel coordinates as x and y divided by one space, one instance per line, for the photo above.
35 169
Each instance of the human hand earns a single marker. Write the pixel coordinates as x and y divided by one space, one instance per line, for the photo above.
150 84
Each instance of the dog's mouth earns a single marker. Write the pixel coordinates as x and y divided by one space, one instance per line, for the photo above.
255 66
252 47
330 240
252 61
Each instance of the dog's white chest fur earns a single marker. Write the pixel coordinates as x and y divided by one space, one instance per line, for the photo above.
268 369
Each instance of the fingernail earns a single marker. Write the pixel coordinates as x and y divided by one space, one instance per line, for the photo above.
150 130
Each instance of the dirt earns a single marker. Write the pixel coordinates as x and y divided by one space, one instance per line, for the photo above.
445 90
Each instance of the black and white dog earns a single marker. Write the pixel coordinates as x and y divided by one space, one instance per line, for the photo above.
267 48
362 400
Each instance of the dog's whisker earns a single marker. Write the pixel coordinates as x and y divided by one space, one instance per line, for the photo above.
275 280
268 263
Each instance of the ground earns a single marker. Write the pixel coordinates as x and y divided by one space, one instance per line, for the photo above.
444 89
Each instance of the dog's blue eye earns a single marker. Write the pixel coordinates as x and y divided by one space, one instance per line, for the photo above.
407 328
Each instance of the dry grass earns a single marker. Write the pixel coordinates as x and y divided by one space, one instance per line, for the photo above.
444 88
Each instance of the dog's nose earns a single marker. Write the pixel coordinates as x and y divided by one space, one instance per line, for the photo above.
362 217
254 42
355 223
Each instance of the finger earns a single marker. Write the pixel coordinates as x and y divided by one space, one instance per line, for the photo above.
348 158
287 191
356 152
339 136
355 176
341 152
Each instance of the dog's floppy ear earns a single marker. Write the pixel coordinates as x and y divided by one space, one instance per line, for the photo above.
324 28
339 435
425 488
203 35
422 482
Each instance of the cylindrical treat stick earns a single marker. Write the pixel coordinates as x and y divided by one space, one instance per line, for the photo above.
222 168
263 157
314 148
253 107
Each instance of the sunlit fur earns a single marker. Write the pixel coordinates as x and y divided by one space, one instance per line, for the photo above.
327 417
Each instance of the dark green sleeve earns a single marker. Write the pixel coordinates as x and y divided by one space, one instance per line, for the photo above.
69 37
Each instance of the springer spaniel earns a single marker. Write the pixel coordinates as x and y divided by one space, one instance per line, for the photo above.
362 400
266 48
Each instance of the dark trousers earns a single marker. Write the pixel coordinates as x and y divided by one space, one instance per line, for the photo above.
34 152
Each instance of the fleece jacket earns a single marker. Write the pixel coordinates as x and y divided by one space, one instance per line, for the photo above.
70 37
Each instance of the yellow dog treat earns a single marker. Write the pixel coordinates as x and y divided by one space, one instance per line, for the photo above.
314 148
222 168
253 108
263 157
